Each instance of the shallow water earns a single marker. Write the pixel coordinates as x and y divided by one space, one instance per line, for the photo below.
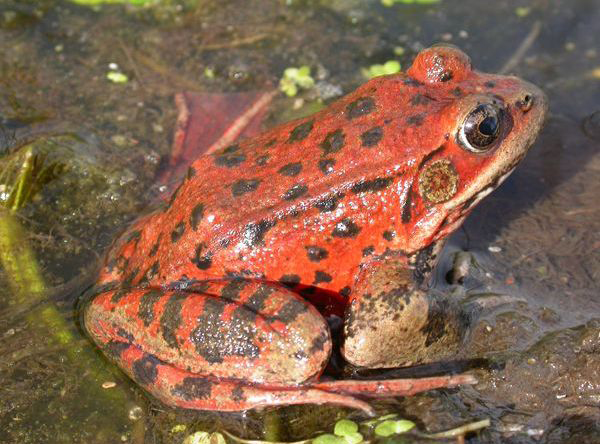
534 241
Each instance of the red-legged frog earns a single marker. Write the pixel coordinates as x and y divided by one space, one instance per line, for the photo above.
220 299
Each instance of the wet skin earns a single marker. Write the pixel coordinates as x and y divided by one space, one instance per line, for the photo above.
219 300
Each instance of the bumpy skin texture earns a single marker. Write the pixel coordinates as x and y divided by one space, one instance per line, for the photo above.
205 302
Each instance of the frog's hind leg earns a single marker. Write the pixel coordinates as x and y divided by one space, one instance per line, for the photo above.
225 345
187 390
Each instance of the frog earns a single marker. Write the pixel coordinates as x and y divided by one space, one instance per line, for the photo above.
225 297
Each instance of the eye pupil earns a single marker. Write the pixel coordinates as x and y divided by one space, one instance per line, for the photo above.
481 128
488 126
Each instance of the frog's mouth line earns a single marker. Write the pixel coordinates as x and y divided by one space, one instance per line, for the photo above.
480 195
455 219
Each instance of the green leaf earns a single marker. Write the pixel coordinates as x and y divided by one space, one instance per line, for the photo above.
345 427
116 77
390 427
197 438
389 67
294 79
328 438
353 438
522 11
372 422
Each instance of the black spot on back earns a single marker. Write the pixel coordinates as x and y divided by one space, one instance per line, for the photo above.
367 251
295 192
191 173
134 237
416 120
326 165
290 280
333 142
152 271
321 276
202 259
371 186
316 253
262 160
230 157
291 169
360 107
154 248
345 228
489 84
243 186
178 231
196 216
389 235
301 132
329 203
420 99
371 137
174 195
254 233
409 81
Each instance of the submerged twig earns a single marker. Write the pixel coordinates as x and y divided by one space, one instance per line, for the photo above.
234 43
518 55
459 431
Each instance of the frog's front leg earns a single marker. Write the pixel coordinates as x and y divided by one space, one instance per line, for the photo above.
391 322
217 345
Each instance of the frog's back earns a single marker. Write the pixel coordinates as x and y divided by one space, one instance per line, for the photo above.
307 202
302 196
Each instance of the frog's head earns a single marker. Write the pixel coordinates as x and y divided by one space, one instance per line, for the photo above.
480 126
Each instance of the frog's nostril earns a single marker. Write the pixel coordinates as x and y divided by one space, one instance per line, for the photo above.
525 103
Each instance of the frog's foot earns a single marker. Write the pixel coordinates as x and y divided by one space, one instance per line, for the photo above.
395 387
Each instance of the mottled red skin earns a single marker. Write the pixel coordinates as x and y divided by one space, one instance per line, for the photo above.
194 291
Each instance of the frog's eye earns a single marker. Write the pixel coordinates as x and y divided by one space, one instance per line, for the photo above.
480 128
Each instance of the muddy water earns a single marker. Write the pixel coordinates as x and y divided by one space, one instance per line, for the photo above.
533 245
